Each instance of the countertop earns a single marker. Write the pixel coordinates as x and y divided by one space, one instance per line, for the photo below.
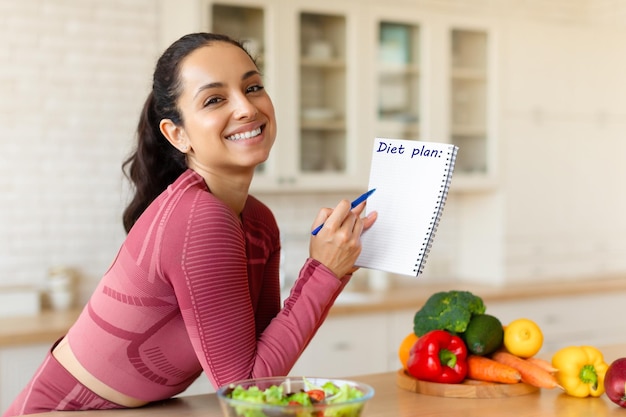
50 325
45 327
391 401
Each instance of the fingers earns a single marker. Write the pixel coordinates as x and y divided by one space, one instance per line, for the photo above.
369 220
332 218
321 217
360 208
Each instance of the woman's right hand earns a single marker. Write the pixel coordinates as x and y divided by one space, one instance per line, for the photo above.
338 244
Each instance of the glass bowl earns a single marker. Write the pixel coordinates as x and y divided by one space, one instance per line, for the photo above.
337 405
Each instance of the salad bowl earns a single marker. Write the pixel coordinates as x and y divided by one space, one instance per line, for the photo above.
293 396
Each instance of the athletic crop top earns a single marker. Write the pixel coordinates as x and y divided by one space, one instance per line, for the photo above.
195 288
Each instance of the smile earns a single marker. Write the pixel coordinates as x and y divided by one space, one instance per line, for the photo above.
245 135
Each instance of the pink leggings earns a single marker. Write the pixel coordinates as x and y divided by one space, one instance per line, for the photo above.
53 388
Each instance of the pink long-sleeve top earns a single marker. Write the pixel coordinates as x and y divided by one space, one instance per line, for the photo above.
195 287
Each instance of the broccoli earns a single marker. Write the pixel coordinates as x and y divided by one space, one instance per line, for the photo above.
451 311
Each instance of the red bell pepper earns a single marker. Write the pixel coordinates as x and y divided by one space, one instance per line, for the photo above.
439 356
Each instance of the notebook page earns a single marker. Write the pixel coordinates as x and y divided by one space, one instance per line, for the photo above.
408 177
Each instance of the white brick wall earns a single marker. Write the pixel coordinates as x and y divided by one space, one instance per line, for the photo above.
73 78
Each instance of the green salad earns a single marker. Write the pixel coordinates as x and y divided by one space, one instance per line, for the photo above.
322 401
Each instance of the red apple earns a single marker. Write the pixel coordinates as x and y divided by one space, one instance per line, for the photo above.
615 382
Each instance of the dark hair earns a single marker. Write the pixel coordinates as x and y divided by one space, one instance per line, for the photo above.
155 163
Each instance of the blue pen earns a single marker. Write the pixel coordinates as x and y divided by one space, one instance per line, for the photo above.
355 203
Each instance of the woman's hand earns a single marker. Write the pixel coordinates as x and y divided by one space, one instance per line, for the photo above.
338 244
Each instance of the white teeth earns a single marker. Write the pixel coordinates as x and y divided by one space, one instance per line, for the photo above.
245 135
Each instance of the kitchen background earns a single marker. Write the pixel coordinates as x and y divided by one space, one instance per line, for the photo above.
74 75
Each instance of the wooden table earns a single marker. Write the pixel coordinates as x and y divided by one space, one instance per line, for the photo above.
391 401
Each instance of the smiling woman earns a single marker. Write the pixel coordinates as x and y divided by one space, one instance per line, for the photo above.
195 285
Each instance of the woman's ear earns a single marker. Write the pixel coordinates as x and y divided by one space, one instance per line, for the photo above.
175 135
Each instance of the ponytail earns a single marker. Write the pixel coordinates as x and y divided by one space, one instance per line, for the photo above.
153 165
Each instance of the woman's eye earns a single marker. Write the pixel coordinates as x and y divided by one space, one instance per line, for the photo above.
254 88
212 100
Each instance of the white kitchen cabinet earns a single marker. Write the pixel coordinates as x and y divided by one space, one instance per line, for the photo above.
368 343
400 324
346 345
569 320
202 385
399 80
434 79
365 343
468 97
471 103
400 86
342 72
17 366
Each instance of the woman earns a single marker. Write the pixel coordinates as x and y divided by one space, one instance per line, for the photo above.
195 285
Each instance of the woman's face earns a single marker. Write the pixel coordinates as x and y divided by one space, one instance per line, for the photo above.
228 117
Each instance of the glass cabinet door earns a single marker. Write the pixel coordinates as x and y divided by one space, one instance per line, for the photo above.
322 73
245 24
468 99
398 80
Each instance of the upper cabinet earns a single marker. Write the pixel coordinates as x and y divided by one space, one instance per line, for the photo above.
340 75
469 102
323 91
433 81
398 79
245 23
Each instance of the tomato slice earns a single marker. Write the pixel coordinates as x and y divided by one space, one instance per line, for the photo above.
316 395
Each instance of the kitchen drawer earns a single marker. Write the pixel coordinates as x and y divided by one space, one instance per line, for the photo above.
17 366
569 320
350 345
400 325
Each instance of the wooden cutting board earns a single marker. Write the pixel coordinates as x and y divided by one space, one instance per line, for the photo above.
467 389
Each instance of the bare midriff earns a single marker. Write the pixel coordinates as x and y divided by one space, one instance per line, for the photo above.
64 355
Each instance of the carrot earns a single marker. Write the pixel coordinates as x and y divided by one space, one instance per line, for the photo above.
531 373
542 363
484 369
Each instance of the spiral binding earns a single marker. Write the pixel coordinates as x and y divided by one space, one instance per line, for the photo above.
437 212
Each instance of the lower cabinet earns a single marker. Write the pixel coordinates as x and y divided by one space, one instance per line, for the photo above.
17 366
592 319
366 343
202 385
19 363
346 345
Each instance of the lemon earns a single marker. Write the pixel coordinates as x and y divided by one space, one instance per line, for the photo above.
483 335
523 337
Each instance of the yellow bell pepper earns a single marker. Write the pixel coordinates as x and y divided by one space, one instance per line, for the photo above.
581 370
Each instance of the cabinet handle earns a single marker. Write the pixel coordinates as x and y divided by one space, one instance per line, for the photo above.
342 346
286 180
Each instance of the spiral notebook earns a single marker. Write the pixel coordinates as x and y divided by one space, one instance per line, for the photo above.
412 179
